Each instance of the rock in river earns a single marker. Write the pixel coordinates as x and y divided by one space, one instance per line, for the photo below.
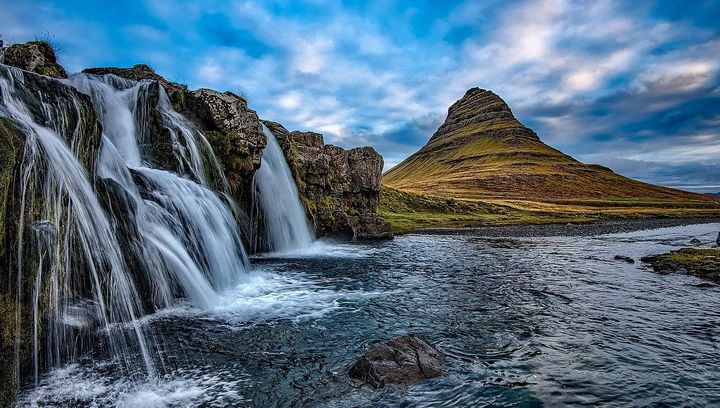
624 258
402 361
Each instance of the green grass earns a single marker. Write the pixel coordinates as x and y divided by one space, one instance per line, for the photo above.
702 262
407 212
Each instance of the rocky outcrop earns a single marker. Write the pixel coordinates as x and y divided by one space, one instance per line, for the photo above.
34 56
404 361
701 262
340 188
231 127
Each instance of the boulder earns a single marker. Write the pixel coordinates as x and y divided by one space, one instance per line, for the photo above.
403 361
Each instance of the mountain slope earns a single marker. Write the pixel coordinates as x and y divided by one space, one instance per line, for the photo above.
482 151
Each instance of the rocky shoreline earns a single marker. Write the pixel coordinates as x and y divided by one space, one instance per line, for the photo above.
570 229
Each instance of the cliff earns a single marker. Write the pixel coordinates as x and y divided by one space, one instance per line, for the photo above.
340 188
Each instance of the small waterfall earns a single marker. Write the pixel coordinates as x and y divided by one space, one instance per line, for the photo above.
286 224
131 238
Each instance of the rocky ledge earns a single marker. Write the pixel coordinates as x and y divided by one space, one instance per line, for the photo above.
404 361
340 188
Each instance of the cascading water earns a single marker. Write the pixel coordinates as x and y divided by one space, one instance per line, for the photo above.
286 224
100 244
188 237
73 234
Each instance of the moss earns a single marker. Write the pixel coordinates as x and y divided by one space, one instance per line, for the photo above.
12 141
701 262
36 56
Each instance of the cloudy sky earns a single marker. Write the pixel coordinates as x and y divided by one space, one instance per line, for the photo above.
628 84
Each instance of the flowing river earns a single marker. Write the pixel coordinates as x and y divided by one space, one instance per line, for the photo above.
524 320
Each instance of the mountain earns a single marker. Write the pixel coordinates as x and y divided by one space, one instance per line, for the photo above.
482 151
482 166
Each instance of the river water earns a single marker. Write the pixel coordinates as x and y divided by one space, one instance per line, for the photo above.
524 321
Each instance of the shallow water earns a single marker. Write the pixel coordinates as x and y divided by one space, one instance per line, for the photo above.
524 321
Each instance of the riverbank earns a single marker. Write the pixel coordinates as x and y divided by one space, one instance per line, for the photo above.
571 229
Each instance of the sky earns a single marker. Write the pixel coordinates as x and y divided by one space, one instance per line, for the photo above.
632 85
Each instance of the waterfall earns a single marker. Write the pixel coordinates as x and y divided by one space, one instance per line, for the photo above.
188 236
114 245
286 224
73 234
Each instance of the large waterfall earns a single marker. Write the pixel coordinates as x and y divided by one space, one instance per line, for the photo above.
117 244
286 225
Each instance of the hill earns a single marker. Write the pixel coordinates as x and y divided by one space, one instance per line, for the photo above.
483 154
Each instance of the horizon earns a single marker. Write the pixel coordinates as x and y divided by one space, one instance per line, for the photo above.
634 88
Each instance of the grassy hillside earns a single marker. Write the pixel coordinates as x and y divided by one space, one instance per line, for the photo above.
495 170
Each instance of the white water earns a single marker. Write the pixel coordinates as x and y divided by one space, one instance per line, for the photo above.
183 239
286 224
189 237
72 221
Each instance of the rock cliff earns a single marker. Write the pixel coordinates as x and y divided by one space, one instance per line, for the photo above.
340 188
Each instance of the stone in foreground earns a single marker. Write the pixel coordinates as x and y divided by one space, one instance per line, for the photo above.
403 361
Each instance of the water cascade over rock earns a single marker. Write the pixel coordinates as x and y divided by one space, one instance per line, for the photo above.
105 237
286 224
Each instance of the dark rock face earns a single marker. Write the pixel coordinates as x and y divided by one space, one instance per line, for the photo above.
231 127
340 188
34 56
485 108
404 361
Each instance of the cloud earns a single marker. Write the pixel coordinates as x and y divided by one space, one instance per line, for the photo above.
626 84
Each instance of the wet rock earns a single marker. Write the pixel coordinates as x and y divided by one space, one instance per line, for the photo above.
34 56
695 241
402 361
340 188
624 258
717 240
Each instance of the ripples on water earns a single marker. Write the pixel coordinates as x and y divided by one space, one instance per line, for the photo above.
524 321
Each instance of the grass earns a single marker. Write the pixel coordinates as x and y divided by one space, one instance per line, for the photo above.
407 212
702 262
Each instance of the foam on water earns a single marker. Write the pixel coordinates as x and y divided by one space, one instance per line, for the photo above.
97 385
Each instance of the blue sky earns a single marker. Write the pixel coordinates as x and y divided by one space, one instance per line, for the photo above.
628 84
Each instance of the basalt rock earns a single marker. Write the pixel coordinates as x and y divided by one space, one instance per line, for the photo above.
403 361
34 56
340 188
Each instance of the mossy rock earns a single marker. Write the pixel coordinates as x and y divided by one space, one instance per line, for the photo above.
35 56
700 262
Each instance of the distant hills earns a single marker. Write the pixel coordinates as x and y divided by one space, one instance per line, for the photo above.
483 156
